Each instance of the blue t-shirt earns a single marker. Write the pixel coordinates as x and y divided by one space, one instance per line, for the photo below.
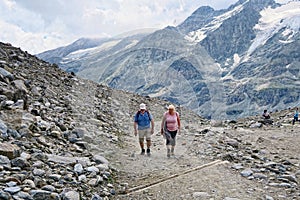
296 114
143 120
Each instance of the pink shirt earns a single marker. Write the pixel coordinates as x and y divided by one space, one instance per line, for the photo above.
172 124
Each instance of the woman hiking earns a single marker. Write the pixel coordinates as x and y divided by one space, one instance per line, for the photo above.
170 126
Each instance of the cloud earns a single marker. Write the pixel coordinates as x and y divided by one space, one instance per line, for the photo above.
37 25
28 41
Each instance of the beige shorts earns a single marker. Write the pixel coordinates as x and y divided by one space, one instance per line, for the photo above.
145 133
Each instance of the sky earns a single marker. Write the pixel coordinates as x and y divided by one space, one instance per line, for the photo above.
36 25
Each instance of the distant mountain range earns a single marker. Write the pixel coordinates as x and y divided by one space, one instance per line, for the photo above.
223 64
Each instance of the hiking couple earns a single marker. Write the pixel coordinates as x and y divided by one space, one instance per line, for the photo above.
144 128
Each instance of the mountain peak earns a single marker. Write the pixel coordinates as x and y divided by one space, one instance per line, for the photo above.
204 11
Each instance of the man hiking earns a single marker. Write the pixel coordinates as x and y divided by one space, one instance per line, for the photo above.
296 115
144 127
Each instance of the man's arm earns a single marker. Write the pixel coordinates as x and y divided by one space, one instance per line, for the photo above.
152 126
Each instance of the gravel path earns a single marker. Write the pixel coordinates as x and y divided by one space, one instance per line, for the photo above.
197 172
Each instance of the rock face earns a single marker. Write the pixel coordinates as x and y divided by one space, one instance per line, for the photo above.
223 64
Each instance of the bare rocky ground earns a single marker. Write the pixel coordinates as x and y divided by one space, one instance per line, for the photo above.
214 161
47 114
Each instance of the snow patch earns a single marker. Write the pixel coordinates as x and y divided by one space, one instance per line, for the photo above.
236 59
200 34
97 49
76 55
272 20
133 43
285 41
263 86
282 1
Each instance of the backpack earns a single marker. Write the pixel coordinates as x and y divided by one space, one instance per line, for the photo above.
146 111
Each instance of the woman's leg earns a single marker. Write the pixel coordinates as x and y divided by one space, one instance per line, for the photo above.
173 142
168 143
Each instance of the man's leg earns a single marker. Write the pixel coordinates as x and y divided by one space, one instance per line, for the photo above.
141 141
148 140
142 146
148 143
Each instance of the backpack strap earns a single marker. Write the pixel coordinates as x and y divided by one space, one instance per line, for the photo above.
139 112
148 115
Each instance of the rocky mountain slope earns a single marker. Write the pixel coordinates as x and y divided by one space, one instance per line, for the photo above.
58 131
44 131
223 64
63 137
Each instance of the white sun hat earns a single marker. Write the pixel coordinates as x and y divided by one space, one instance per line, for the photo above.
143 106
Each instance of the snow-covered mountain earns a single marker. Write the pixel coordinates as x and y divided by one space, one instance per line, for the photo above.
221 63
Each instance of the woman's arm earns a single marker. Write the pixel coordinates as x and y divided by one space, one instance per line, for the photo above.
162 126
178 121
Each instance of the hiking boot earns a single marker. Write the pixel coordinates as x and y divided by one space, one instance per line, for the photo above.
143 152
148 152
